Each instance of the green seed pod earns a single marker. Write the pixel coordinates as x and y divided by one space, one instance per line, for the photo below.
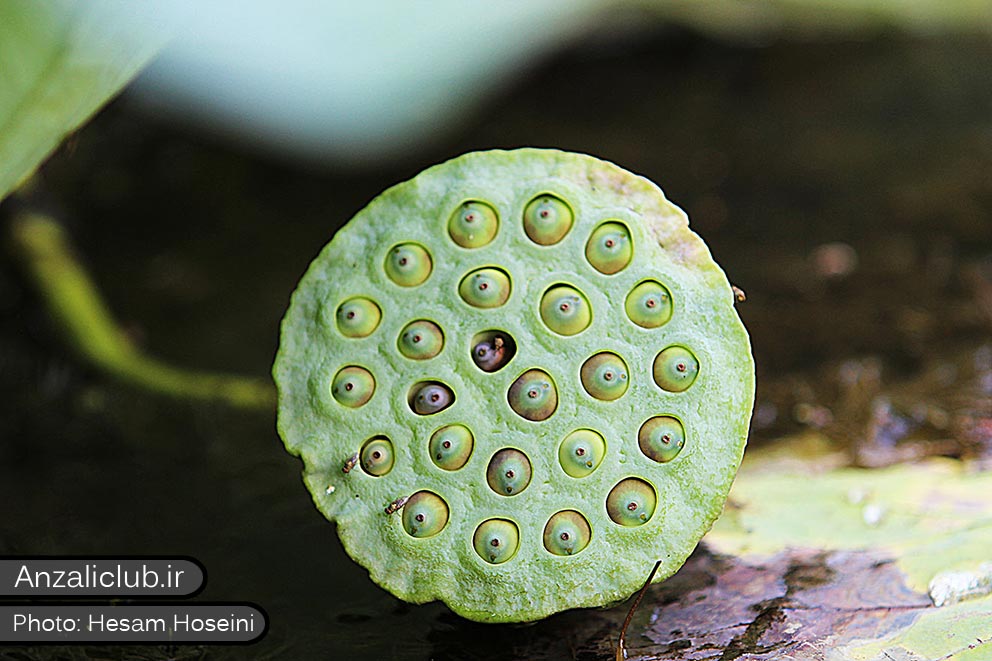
547 220
430 397
609 249
533 395
649 305
473 224
509 472
358 317
485 288
510 376
565 310
408 264
377 456
604 376
353 386
425 514
420 340
631 502
675 369
567 533
451 446
581 452
661 438
496 540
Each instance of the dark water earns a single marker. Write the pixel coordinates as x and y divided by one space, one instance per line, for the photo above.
777 152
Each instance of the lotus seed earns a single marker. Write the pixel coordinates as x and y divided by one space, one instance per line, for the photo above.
492 350
473 224
649 304
425 514
581 452
451 446
420 340
533 395
408 264
496 540
377 456
358 317
661 438
353 386
547 220
509 472
565 310
567 533
631 502
485 288
675 369
604 376
430 397
609 249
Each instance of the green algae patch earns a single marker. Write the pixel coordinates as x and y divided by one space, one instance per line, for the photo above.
482 505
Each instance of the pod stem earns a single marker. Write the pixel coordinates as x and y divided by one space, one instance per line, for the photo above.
74 302
621 647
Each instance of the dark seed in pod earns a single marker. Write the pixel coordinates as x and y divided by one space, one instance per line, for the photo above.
631 502
496 540
567 533
509 472
430 397
424 514
533 395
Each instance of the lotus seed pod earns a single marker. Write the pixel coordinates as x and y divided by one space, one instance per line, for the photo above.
473 224
609 248
496 540
377 456
509 379
451 446
358 317
565 310
485 288
430 397
567 533
353 386
649 305
425 514
581 452
533 395
675 369
420 340
408 264
547 220
631 502
509 472
661 438
604 376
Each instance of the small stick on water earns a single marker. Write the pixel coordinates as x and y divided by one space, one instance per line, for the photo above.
621 650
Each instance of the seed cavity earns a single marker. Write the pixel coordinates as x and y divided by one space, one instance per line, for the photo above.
565 310
675 369
567 533
609 248
604 376
496 540
485 288
547 219
408 264
420 340
358 317
581 452
533 395
649 304
430 397
509 472
451 446
353 386
424 514
377 456
661 438
473 224
631 502
492 350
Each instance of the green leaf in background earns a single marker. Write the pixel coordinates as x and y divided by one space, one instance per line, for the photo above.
59 63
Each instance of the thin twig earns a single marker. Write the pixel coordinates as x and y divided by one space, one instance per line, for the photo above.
621 650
